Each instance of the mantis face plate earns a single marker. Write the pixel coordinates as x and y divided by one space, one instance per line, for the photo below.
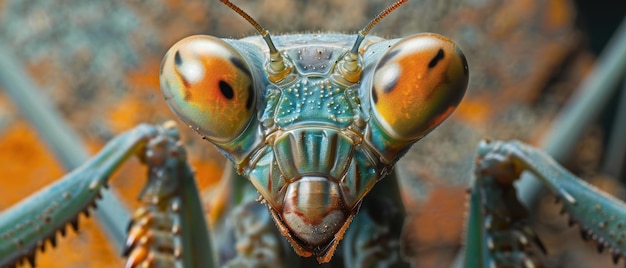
318 120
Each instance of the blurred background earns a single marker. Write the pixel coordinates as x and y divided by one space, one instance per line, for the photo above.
98 62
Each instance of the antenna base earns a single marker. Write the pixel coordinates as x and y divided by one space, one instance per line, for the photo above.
348 70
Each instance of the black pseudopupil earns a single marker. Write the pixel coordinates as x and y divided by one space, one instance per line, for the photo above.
226 90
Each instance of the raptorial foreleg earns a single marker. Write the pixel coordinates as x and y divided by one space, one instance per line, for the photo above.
497 234
27 225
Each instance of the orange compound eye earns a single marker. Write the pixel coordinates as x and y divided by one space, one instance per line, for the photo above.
417 84
208 84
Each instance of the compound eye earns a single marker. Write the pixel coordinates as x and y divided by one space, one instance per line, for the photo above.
417 84
209 86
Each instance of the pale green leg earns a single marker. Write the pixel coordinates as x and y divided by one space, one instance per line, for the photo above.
26 226
169 228
497 233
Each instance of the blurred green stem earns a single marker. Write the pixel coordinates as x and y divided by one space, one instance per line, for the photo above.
585 106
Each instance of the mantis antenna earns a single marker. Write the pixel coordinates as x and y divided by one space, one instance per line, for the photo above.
373 22
349 68
276 68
